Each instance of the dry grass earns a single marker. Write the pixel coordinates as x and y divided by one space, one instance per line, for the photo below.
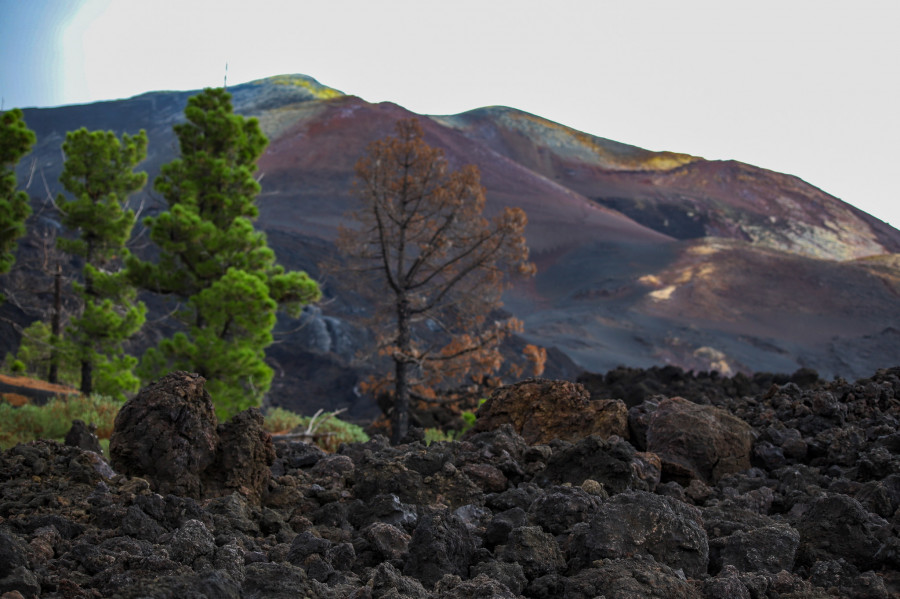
54 419
30 383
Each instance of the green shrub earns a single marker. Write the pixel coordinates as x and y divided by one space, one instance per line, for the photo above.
328 432
468 417
54 419
434 435
279 420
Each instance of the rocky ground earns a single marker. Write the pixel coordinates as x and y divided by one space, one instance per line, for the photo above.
790 492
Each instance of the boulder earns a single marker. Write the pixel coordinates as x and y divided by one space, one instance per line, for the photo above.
479 587
441 544
560 508
765 549
83 436
632 578
386 542
836 526
612 462
386 581
167 435
533 549
542 410
639 523
244 453
696 441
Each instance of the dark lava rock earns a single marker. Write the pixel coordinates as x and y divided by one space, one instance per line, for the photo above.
836 526
814 515
479 587
441 544
167 434
533 549
388 583
510 575
612 462
726 585
765 549
640 523
83 436
244 453
560 508
695 441
542 410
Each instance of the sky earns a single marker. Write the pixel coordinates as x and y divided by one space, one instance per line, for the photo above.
809 88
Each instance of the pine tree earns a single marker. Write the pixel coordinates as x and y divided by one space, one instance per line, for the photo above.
98 173
214 261
434 263
16 140
36 355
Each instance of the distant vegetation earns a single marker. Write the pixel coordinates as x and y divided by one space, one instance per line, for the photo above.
319 91
54 419
445 270
209 256
16 140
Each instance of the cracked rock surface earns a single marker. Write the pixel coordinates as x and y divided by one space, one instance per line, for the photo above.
220 511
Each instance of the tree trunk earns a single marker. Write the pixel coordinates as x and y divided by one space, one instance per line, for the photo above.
55 326
400 417
87 376
87 368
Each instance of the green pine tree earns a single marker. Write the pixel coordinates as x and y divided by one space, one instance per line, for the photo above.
213 259
37 351
98 173
16 140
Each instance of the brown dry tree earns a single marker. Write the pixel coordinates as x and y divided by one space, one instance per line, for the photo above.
434 266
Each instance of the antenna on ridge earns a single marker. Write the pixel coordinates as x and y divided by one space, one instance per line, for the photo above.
225 83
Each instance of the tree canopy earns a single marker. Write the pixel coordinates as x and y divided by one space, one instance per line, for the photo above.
98 174
213 259
16 140
437 266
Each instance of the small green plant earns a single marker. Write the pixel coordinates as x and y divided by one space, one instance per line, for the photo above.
322 428
435 435
468 417
279 420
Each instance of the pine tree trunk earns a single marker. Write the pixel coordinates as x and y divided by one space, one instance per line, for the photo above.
87 368
87 376
55 326
400 417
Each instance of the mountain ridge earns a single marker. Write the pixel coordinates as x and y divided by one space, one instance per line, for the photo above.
637 267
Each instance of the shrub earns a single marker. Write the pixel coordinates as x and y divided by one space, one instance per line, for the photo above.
54 419
327 431
279 420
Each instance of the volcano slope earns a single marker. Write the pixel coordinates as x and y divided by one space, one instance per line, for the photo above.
792 493
643 257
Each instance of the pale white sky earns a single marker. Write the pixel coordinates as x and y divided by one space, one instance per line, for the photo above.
810 88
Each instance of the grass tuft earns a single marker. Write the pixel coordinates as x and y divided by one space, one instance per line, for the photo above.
328 432
54 419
